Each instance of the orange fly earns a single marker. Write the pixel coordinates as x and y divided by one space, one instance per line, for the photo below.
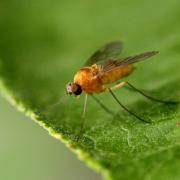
105 67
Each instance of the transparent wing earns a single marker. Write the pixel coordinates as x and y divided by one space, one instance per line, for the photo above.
112 65
108 52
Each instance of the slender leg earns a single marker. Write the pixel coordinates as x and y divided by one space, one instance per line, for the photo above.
83 117
102 105
149 97
85 105
117 86
125 108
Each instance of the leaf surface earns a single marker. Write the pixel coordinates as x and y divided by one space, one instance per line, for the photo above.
42 45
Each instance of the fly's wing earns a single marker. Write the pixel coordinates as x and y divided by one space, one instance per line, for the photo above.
113 65
108 52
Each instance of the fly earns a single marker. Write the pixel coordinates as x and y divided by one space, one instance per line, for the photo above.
102 69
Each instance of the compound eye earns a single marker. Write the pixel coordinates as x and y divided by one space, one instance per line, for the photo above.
78 90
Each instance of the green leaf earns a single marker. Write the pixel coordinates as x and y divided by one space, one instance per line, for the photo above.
42 45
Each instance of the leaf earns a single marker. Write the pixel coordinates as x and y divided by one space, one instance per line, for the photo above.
42 45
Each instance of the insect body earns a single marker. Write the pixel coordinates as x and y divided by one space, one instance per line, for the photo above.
105 67
93 80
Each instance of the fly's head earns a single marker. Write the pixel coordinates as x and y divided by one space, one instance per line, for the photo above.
73 88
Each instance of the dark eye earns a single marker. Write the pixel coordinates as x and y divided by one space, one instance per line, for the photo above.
78 91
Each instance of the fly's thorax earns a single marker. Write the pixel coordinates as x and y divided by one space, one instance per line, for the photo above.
86 74
88 80
81 76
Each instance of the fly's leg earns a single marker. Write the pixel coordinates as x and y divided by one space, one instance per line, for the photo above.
83 117
125 108
149 97
117 86
102 105
85 105
120 85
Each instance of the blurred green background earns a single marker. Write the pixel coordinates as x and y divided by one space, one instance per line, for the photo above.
59 36
27 152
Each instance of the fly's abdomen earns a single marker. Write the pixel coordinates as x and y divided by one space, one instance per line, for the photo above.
112 76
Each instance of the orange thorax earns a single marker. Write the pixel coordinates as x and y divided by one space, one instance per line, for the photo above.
88 80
